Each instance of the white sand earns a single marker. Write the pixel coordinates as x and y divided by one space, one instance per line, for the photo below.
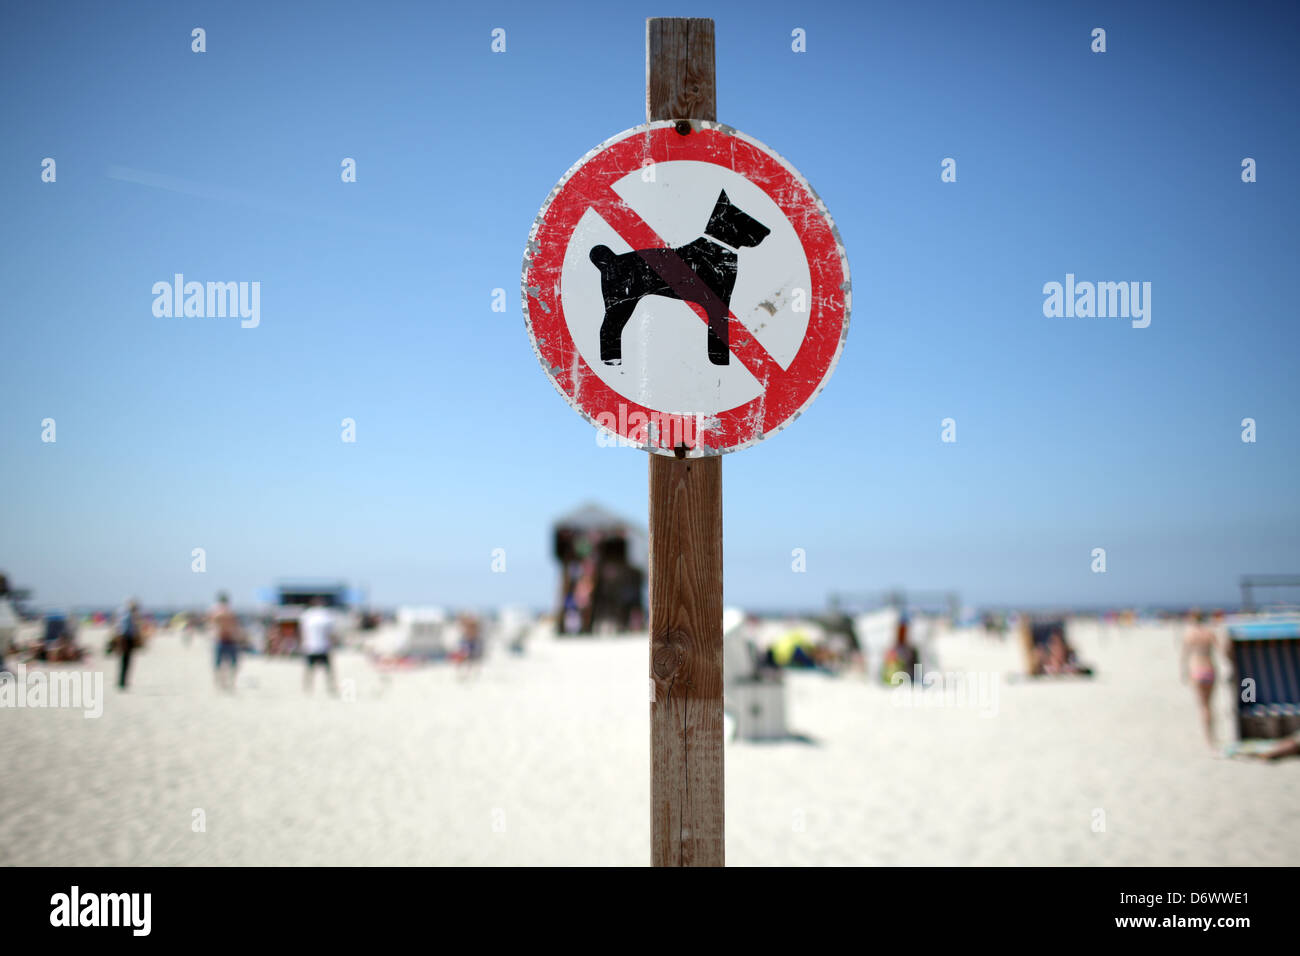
544 759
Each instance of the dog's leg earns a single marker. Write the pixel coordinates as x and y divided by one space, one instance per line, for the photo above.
719 337
611 330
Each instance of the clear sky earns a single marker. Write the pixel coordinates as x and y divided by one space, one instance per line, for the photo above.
1072 433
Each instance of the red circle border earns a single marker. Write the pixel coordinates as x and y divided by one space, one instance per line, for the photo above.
588 183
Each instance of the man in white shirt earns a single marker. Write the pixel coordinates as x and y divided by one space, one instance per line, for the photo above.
316 632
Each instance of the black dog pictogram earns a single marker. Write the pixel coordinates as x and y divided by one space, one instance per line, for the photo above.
703 271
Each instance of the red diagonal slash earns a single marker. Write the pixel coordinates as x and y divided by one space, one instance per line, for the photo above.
637 233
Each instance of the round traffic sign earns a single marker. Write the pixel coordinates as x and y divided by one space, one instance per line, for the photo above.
685 289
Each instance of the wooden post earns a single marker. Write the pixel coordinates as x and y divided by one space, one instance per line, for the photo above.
686 757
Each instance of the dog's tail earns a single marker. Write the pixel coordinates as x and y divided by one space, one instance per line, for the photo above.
602 256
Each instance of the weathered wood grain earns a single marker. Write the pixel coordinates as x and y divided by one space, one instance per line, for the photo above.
679 69
686 744
686 740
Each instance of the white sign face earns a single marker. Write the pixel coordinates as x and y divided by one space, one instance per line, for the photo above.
660 368
687 292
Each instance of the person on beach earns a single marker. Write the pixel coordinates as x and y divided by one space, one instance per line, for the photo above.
902 657
1287 747
8 628
316 627
470 652
1198 665
8 621
225 624
1058 658
126 636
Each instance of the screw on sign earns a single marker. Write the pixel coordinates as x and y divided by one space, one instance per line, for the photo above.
685 289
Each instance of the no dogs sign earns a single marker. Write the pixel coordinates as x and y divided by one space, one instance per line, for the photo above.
685 289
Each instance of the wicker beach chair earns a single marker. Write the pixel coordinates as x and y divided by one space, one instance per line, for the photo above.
1266 655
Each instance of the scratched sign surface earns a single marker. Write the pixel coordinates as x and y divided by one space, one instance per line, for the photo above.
685 289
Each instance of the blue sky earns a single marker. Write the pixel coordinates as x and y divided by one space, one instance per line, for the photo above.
376 297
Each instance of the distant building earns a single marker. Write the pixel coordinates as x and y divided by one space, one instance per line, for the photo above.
603 560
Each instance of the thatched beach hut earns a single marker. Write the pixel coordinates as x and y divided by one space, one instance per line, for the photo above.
603 560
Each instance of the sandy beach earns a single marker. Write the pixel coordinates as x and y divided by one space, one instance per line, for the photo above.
543 759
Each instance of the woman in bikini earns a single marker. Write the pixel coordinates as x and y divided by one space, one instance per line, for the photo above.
1198 664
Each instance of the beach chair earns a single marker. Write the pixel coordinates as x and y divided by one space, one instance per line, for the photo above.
1036 635
1266 655
427 633
753 695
